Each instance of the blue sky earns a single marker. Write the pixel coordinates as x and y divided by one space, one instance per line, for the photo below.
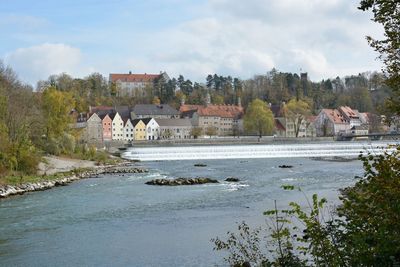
192 37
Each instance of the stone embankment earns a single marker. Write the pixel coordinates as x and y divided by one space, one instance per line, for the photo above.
9 190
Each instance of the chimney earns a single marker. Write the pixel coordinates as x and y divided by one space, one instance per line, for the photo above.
130 72
208 99
239 101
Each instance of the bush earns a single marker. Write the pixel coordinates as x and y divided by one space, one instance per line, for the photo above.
363 231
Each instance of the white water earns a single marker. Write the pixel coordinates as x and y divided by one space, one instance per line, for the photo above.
335 149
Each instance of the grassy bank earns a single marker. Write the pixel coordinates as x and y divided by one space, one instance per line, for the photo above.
18 179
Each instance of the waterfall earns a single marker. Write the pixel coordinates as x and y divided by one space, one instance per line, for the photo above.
336 149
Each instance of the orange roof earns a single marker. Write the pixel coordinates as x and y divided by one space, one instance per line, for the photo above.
186 108
348 112
225 111
133 77
335 116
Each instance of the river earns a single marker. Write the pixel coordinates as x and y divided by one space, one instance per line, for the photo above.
119 221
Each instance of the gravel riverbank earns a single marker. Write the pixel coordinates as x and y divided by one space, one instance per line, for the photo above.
95 172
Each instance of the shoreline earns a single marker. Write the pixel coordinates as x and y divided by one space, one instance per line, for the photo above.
7 191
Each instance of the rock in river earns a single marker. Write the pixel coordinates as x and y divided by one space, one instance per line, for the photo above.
182 181
285 166
232 179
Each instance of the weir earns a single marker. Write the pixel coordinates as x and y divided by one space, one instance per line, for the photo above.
335 149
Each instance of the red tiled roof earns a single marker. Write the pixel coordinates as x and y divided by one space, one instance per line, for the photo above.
225 111
133 77
335 116
186 108
279 126
348 112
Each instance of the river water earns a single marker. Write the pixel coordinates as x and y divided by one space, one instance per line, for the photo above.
119 221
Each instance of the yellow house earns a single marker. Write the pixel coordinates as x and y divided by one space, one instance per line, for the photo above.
139 129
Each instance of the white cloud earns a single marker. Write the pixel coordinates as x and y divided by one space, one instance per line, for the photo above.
39 62
242 38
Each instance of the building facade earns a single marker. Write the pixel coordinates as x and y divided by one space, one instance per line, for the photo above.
225 119
117 128
107 128
129 84
94 129
171 129
129 134
139 130
152 129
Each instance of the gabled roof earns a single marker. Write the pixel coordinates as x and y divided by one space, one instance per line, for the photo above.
335 116
276 110
174 122
279 125
123 111
151 110
135 122
146 120
133 77
102 116
348 112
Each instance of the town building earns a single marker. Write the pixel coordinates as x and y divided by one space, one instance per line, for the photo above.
117 128
94 129
162 111
223 119
134 85
128 130
139 130
286 128
107 129
152 129
344 120
171 129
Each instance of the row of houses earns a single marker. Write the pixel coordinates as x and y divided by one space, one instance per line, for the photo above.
329 122
154 122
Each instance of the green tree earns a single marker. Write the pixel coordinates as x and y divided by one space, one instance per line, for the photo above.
296 112
56 108
387 13
210 131
258 118
196 132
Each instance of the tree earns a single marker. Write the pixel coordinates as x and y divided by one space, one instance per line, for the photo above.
56 106
387 13
296 112
363 231
258 118
210 131
196 132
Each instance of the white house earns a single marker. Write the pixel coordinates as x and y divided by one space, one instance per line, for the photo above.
128 130
117 127
152 129
331 122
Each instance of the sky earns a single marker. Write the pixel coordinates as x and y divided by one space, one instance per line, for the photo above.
325 38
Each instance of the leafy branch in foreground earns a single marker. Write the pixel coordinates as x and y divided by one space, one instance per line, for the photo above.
363 231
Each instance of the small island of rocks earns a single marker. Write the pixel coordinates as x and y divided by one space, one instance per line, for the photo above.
182 181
